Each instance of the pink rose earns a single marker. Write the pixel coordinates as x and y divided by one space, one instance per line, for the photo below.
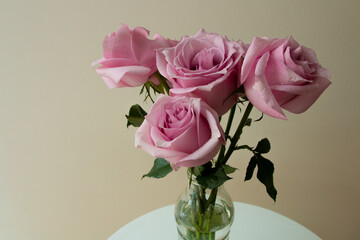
204 66
280 73
129 57
184 131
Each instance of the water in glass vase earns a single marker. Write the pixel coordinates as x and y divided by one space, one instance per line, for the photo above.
202 217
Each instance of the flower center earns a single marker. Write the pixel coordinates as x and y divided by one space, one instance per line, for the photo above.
206 59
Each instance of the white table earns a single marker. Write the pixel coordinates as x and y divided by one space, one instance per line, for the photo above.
251 223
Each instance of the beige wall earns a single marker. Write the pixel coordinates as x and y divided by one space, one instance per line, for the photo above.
68 166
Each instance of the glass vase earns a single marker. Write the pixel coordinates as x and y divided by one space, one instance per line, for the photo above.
204 214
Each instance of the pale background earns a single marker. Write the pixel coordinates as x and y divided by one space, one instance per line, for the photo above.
68 166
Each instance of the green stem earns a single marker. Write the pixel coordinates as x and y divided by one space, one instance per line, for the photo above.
211 236
202 201
230 120
212 198
222 159
227 131
209 220
237 135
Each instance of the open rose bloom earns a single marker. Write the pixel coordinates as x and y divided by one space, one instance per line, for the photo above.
185 131
205 75
129 57
279 73
205 66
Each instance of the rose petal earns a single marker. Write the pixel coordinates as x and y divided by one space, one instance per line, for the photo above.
125 76
117 45
257 48
277 73
259 93
305 100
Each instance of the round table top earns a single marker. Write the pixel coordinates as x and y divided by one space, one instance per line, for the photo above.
250 223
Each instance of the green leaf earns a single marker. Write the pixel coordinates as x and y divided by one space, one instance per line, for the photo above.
213 179
228 169
265 175
160 169
136 116
250 168
263 146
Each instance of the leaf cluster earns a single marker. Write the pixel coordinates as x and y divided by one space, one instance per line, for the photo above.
212 177
206 175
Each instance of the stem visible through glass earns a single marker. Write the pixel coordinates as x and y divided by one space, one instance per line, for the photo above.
203 220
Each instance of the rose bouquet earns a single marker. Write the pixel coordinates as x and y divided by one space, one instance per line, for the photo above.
196 81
